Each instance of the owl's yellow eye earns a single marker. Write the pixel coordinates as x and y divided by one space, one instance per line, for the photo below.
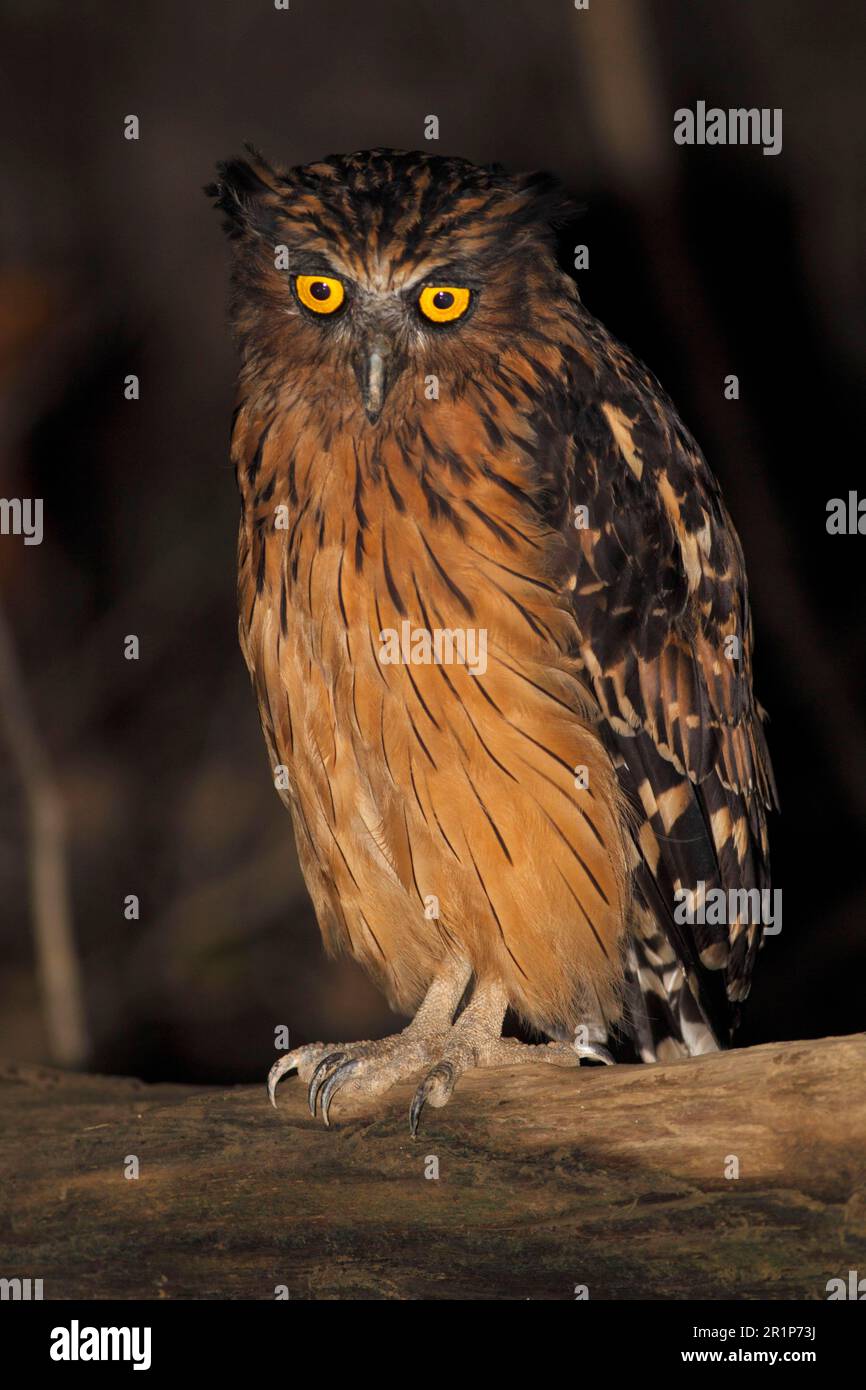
320 293
443 303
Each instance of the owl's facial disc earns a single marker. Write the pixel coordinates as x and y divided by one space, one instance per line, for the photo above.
384 319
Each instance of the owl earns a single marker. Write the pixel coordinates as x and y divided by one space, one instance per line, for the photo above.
495 615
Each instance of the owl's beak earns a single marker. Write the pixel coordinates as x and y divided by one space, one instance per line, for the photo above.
374 377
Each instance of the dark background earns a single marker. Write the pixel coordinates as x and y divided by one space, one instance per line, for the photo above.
706 261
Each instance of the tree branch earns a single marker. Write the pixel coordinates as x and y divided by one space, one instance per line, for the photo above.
57 962
615 1179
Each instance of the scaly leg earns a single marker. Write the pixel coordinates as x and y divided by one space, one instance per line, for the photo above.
475 1041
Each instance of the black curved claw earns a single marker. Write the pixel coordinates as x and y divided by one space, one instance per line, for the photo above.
337 1079
415 1109
320 1076
596 1053
443 1071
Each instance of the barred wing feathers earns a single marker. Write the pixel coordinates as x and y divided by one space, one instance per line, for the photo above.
660 597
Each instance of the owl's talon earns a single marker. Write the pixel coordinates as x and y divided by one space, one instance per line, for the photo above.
594 1052
321 1075
290 1061
415 1112
435 1088
335 1081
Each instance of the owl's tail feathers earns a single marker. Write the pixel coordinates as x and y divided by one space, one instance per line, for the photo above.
662 1019
664 1005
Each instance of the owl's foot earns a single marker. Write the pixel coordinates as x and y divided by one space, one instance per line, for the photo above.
369 1068
475 1041
358 1068
366 1069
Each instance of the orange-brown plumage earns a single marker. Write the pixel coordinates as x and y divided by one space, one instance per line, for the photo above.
439 814
427 780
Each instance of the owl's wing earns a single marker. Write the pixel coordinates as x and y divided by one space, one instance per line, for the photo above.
660 597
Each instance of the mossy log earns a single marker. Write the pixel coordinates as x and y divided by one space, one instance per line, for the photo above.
739 1175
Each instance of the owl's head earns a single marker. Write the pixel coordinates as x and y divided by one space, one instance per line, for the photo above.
383 267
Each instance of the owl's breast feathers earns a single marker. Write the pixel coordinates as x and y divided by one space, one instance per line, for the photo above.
576 738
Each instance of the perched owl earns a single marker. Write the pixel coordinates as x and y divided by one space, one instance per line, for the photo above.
495 615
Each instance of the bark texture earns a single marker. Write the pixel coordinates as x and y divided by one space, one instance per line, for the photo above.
609 1178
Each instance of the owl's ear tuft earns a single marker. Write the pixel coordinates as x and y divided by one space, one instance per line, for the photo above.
246 193
546 202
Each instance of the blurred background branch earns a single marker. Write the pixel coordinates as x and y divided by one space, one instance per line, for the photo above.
54 939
